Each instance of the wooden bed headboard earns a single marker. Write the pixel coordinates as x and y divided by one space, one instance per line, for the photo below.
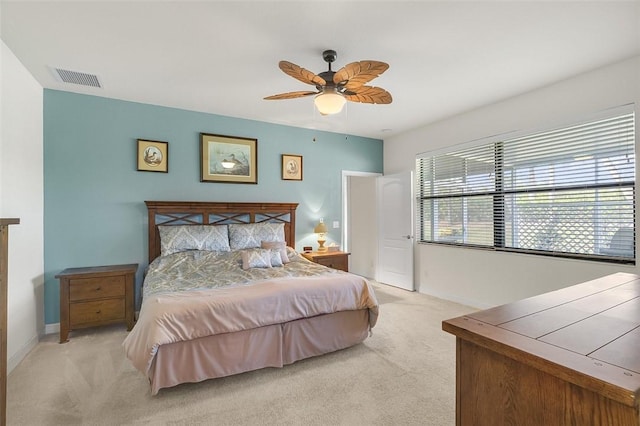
217 213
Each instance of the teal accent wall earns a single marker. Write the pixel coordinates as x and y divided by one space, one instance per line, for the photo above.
94 211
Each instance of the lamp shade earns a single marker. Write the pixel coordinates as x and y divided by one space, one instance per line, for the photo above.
329 102
320 228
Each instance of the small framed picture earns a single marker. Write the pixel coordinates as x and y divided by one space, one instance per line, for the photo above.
228 159
153 156
291 167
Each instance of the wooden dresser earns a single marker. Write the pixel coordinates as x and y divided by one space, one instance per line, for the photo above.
4 269
569 357
331 259
96 296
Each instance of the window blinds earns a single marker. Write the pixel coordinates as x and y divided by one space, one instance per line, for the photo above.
568 191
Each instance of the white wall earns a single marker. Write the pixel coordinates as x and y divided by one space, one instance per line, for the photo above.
22 196
483 278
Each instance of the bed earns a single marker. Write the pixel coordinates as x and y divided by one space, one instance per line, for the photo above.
212 310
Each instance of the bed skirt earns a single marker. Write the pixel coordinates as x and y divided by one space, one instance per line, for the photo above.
270 346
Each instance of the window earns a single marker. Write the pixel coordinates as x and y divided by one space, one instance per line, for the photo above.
566 192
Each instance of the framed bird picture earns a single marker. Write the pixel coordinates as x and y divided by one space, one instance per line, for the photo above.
291 167
153 156
228 159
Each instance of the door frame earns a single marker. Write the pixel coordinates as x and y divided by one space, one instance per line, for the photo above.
345 202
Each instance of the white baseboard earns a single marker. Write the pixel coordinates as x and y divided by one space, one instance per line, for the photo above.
52 328
452 298
14 360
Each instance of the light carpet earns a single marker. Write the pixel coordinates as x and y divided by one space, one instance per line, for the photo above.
404 374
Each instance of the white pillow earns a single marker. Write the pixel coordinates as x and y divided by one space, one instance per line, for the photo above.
276 258
251 235
177 238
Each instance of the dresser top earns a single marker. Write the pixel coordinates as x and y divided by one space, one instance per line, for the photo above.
99 270
589 332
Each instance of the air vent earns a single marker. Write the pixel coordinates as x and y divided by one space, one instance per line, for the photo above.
76 77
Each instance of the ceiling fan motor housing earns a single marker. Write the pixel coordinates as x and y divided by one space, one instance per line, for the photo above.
329 56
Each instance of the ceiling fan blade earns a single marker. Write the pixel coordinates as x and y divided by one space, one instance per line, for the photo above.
357 74
290 95
301 74
368 95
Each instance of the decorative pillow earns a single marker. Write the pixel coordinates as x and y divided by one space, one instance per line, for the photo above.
276 258
174 239
280 246
256 258
250 235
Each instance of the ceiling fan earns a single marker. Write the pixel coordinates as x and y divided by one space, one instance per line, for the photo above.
334 88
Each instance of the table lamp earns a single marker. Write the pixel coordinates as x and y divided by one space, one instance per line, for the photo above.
321 230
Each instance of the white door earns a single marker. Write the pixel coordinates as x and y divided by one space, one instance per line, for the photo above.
395 244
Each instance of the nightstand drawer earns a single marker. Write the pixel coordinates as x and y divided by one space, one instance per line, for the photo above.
337 262
96 288
96 312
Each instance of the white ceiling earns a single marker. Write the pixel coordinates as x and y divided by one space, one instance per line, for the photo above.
222 57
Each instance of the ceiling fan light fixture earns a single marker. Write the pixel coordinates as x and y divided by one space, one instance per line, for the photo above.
329 102
335 88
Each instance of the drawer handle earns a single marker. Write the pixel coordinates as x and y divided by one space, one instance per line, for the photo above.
98 288
98 311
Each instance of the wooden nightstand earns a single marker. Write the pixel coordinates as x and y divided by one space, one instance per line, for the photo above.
332 259
96 296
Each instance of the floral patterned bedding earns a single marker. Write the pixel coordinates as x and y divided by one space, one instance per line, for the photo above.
198 270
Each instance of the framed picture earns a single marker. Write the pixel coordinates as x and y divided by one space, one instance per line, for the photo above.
228 159
153 156
291 167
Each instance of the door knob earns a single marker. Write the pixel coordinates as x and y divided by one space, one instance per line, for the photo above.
408 237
